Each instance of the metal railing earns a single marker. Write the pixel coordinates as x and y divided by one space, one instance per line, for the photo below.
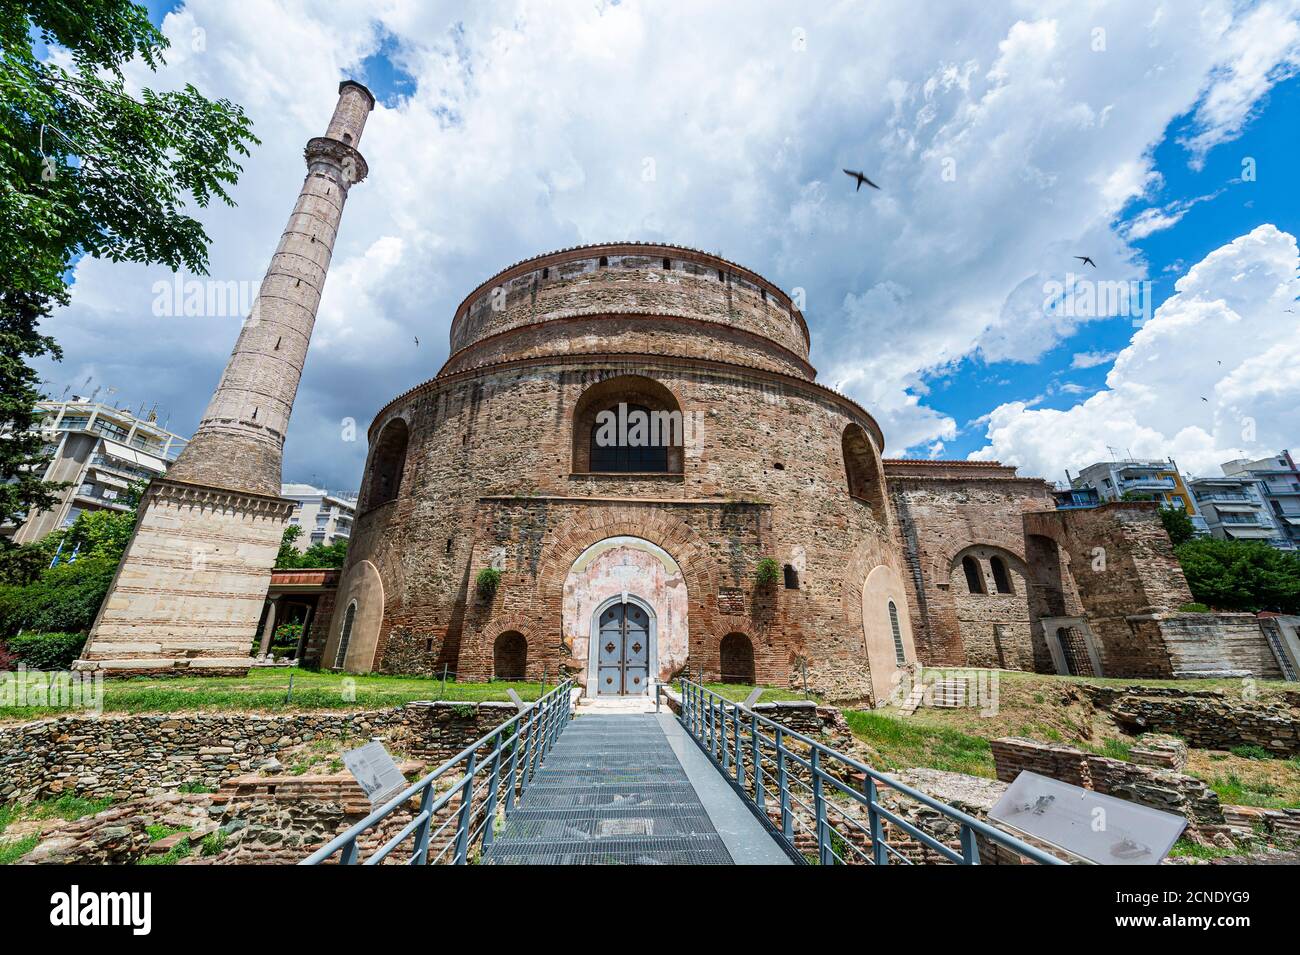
829 808
460 800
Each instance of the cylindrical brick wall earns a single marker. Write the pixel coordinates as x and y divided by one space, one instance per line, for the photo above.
491 477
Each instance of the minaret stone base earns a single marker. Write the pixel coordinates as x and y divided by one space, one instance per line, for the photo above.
190 590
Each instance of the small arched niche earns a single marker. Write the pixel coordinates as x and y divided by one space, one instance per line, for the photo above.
510 656
736 659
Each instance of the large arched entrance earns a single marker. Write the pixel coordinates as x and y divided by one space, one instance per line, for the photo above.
628 592
623 638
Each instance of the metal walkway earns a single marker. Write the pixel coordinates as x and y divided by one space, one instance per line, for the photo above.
630 790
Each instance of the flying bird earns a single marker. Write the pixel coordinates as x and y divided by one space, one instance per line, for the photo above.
417 341
860 178
1086 260
1205 399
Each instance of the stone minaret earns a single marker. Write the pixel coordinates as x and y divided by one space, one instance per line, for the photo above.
190 590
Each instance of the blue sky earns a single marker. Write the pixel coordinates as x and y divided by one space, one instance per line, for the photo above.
1272 139
510 129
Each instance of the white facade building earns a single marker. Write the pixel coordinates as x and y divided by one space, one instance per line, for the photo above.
1234 508
323 517
100 451
1279 482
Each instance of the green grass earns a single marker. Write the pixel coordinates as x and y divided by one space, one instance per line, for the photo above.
1235 791
65 807
264 690
1250 751
1194 850
771 694
1114 748
161 831
901 745
11 852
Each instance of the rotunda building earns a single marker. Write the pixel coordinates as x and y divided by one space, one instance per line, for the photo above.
626 471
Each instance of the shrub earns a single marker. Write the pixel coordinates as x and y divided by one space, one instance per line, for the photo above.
1251 751
1195 607
64 600
47 651
1241 575
767 572
487 581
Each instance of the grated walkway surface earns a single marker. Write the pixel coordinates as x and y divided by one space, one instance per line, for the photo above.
611 792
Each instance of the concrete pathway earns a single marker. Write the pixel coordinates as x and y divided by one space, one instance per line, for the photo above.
631 789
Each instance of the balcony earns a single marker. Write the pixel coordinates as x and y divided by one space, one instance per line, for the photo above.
1146 483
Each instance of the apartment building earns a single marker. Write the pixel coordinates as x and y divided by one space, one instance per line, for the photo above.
1278 482
323 517
1234 508
1133 479
100 451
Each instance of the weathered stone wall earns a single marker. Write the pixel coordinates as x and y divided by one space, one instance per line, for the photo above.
1207 719
121 757
1162 789
1126 574
633 281
488 483
944 510
1218 644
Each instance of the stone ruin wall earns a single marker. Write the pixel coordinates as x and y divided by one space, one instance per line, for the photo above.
125 757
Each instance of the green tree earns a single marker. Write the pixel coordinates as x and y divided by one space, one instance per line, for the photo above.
1177 524
1248 576
325 555
289 555
87 168
317 555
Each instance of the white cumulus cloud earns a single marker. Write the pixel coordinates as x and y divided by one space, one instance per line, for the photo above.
1211 377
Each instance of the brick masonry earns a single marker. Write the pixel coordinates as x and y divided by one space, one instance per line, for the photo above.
1207 719
493 476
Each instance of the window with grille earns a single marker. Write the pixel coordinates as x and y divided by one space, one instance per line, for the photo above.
345 635
628 458
899 653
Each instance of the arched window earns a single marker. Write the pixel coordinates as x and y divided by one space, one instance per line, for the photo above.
974 576
736 662
899 653
510 656
387 463
345 635
862 470
1001 579
628 424
631 425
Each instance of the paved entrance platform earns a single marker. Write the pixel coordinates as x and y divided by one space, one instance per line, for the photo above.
631 789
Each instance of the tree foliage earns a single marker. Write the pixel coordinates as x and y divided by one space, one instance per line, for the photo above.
66 596
88 168
1177 524
316 556
1247 576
